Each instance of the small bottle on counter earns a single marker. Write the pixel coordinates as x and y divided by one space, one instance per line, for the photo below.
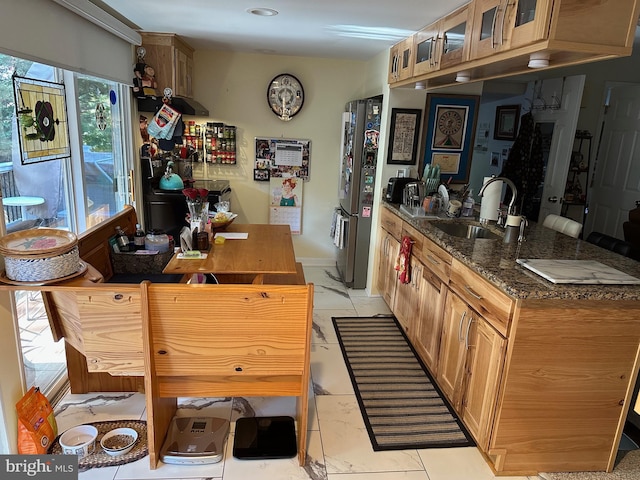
122 239
468 204
138 238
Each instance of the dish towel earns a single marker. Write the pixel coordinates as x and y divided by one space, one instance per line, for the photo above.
403 261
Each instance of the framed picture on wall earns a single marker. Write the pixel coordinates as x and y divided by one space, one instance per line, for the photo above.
403 143
450 125
449 129
507 118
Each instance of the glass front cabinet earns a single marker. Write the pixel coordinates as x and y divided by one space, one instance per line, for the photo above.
456 31
427 44
401 60
445 43
500 25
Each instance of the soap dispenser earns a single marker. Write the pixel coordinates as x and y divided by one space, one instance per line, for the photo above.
468 204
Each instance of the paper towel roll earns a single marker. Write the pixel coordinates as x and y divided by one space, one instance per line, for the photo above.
491 199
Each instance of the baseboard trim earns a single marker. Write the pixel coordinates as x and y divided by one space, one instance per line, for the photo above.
316 262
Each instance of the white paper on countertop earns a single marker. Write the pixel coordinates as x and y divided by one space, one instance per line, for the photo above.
182 256
232 235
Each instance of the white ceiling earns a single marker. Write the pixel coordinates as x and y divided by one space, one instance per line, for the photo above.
349 29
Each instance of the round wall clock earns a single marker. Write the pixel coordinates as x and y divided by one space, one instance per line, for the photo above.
285 96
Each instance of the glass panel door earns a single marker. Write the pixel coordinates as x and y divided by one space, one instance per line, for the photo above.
96 172
105 171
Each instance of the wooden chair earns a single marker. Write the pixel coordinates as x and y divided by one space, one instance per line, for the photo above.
224 340
563 225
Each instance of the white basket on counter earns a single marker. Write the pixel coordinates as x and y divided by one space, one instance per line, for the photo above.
40 254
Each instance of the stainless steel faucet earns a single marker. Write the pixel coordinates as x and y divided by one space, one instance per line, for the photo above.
514 193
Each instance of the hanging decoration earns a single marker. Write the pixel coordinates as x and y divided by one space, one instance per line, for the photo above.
101 116
42 120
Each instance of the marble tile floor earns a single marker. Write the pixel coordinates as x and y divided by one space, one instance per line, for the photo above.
339 447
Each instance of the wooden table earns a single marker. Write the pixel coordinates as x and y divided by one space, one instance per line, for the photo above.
267 250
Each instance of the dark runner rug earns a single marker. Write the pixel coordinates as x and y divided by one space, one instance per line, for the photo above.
401 406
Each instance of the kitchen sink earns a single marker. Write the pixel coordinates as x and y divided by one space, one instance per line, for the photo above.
464 230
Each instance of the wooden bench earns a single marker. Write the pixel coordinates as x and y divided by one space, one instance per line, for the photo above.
190 340
225 340
283 279
72 316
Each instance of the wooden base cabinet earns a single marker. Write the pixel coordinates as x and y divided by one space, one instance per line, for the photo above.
452 349
407 299
389 236
428 326
485 359
389 248
567 384
469 372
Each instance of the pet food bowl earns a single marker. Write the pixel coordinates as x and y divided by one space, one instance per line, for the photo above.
119 441
80 440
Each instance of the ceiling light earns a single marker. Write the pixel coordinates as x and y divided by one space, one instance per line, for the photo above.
539 60
463 76
263 12
420 86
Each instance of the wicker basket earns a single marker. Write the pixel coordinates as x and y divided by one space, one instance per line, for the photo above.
40 254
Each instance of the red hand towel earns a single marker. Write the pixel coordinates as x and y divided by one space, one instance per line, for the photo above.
402 263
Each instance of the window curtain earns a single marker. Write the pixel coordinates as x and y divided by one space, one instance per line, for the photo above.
43 31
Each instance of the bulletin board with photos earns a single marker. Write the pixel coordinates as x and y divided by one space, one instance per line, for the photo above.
281 157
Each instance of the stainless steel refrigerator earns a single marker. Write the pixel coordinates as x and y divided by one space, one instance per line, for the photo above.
359 152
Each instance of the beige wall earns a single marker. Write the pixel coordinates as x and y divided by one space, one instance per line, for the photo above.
233 86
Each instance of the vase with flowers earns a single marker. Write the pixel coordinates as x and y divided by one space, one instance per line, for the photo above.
198 207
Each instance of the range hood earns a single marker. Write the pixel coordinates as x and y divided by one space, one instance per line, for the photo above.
186 106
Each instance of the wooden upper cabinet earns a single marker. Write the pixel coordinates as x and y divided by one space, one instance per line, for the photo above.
401 61
527 21
455 32
500 25
172 59
488 30
427 46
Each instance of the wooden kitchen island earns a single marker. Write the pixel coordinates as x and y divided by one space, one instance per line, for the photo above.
541 374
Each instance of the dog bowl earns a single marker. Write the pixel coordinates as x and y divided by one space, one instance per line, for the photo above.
119 441
80 440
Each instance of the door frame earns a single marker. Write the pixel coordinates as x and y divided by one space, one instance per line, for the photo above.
561 147
604 105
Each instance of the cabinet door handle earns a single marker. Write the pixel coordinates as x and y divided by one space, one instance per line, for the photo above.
493 28
460 325
504 18
432 259
466 339
435 48
472 292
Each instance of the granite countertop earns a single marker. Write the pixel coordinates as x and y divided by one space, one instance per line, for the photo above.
496 261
